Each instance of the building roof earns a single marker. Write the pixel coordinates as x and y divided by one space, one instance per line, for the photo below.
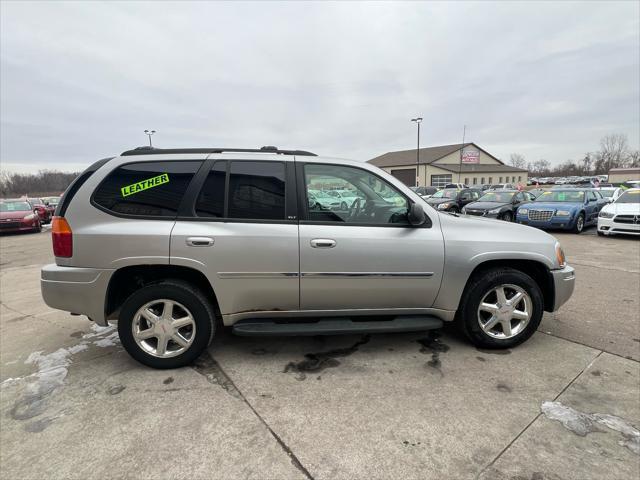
478 168
625 170
427 155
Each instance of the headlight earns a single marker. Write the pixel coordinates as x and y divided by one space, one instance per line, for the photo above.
523 211
31 216
563 213
562 262
604 214
495 211
442 206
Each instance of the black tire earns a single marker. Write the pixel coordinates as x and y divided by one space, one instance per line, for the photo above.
182 292
454 210
600 234
507 217
344 207
482 283
578 227
38 228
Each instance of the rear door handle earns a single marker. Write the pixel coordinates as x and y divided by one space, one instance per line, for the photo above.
323 243
200 241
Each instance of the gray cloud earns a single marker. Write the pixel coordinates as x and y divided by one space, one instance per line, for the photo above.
81 80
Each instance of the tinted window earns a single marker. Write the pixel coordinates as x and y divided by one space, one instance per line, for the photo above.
370 200
257 190
152 189
210 202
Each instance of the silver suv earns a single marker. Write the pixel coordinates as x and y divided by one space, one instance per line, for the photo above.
175 244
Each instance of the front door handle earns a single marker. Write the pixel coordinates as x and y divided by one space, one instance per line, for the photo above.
200 241
323 243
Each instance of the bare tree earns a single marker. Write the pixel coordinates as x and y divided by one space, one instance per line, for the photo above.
614 151
517 160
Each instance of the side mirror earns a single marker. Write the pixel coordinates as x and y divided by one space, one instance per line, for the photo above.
416 215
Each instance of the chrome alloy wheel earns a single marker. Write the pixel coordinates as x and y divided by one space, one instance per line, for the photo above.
505 311
163 328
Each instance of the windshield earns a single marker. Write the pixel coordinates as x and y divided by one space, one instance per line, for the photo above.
629 197
450 193
501 197
14 207
561 196
607 193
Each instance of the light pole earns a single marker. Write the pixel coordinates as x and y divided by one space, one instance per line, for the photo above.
418 121
149 133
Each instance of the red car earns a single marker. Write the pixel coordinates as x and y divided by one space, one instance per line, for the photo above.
44 212
18 216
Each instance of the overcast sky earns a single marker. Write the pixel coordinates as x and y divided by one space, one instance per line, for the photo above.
82 80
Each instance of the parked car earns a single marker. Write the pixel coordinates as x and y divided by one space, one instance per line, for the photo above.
561 181
345 197
610 193
18 216
500 204
502 186
452 199
622 216
425 191
260 261
324 200
568 209
42 209
456 185
484 187
52 203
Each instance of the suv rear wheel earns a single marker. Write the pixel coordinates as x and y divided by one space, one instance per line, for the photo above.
501 308
166 325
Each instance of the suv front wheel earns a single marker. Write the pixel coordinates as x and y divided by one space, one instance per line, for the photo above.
501 308
166 325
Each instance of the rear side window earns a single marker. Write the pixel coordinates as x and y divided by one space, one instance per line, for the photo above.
256 190
150 189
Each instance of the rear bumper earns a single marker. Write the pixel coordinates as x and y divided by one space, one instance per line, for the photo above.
563 282
76 290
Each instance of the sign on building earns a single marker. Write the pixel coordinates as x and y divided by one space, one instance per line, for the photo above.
470 155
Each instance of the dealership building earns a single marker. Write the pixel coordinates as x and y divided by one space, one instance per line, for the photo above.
461 163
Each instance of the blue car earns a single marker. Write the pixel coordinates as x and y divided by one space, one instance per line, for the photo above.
566 209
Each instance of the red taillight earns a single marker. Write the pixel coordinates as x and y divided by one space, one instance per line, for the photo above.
62 237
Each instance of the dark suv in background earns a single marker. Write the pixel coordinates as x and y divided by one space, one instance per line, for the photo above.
453 199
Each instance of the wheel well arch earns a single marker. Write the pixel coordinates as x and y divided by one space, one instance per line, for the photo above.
126 280
538 271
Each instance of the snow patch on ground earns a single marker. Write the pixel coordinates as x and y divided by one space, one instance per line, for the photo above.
584 423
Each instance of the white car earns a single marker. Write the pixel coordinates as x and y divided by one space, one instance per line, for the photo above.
610 194
621 216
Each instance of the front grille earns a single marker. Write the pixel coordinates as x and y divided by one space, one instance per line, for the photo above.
9 224
540 215
475 212
627 219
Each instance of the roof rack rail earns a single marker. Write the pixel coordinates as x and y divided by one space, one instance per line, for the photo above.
267 149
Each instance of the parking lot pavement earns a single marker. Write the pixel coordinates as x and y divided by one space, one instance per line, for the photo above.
74 405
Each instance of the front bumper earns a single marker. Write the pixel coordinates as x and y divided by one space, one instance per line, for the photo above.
564 223
563 283
76 290
608 226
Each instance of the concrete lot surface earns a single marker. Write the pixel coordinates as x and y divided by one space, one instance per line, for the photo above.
565 405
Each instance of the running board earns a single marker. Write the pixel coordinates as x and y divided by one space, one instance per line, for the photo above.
332 326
